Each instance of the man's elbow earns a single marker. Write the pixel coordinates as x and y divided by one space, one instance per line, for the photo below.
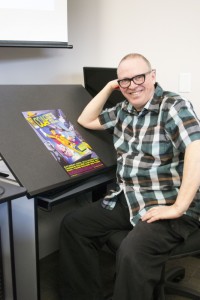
80 121
94 124
83 122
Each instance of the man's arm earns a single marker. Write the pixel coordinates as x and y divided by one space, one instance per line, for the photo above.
89 116
188 189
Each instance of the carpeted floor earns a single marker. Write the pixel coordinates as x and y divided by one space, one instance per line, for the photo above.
48 277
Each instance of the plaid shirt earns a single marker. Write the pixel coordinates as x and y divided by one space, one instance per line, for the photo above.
150 148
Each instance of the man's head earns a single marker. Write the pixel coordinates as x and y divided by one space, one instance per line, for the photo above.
136 79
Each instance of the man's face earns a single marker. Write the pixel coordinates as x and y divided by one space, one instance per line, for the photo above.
137 95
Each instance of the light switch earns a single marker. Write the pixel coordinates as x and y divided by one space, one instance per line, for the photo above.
185 82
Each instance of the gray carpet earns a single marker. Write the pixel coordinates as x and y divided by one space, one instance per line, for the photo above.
48 275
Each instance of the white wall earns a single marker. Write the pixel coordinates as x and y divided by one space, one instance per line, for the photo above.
166 32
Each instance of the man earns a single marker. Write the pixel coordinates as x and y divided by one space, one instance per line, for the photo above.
156 135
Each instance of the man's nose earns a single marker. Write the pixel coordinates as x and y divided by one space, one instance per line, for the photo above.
132 84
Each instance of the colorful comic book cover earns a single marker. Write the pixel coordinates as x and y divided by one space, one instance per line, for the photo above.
63 141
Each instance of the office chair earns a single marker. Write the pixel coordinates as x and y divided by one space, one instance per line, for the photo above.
169 279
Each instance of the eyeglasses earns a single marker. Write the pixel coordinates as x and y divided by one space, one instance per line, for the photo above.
138 79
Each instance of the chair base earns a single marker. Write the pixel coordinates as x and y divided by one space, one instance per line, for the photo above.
171 285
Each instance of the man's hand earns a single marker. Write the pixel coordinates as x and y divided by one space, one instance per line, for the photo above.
162 212
89 117
114 84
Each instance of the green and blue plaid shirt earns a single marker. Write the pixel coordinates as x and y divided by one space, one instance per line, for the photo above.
150 148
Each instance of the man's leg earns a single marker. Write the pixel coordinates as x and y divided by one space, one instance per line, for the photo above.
142 254
83 232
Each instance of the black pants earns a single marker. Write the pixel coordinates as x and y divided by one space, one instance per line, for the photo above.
140 257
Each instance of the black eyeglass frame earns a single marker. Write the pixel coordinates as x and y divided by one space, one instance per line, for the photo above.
132 79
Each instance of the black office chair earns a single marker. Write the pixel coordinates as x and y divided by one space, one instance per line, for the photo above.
169 279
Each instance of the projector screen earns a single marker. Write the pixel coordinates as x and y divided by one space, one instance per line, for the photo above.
34 23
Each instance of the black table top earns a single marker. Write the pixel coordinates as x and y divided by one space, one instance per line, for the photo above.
29 160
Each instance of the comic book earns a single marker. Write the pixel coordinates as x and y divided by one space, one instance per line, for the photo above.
63 141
